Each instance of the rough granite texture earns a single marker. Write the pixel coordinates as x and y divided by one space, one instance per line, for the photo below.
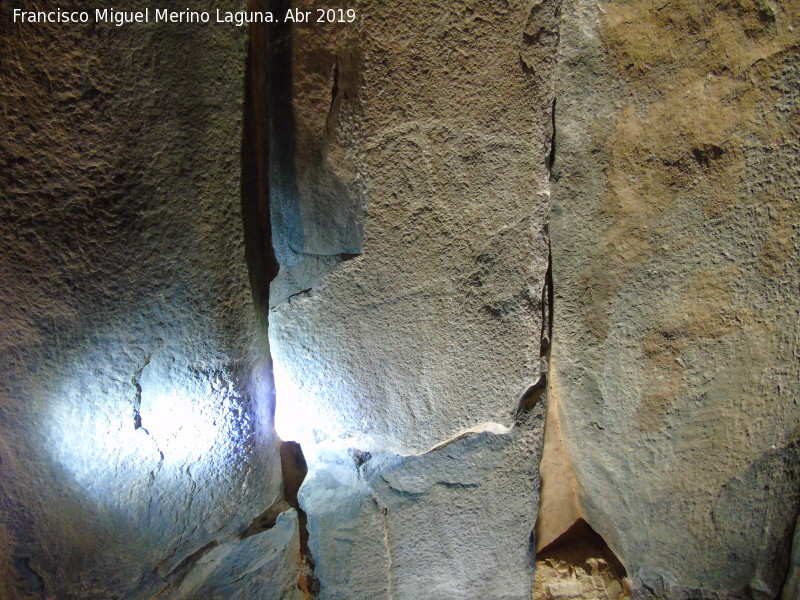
434 328
130 439
411 179
262 567
410 222
455 523
675 258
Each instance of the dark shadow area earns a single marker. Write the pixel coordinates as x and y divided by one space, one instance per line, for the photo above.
268 122
579 564
578 544
257 222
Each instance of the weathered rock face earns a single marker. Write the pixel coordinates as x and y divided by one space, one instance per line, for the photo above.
675 245
410 225
435 327
132 448
455 522
419 143
400 169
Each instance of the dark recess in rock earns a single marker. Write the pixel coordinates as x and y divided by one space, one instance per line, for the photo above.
269 124
533 394
706 154
581 562
256 216
30 579
551 157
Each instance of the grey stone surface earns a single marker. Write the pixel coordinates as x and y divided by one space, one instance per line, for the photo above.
444 135
419 143
130 435
674 232
262 566
410 200
453 523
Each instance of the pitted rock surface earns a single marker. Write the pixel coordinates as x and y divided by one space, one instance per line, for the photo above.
675 256
130 435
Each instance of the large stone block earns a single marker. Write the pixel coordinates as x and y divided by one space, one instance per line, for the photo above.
131 438
427 126
434 326
675 249
453 523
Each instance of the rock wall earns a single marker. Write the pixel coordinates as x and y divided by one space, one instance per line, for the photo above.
133 450
407 323
450 273
388 350
675 244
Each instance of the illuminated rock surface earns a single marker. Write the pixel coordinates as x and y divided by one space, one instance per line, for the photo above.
455 522
435 122
410 193
435 327
130 442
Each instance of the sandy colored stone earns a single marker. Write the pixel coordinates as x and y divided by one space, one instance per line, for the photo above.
675 242
559 508
579 565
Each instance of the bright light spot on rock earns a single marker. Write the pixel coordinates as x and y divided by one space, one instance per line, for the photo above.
192 424
293 422
180 426
96 445
315 414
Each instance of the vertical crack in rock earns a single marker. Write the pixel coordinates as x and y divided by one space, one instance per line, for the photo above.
294 470
261 261
538 52
137 401
533 394
551 157
137 416
387 545
547 303
287 227
264 62
329 122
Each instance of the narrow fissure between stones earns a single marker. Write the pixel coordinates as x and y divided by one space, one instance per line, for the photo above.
387 547
533 394
261 258
572 561
294 470
551 157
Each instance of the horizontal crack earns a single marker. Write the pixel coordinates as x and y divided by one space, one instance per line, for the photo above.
488 427
266 520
